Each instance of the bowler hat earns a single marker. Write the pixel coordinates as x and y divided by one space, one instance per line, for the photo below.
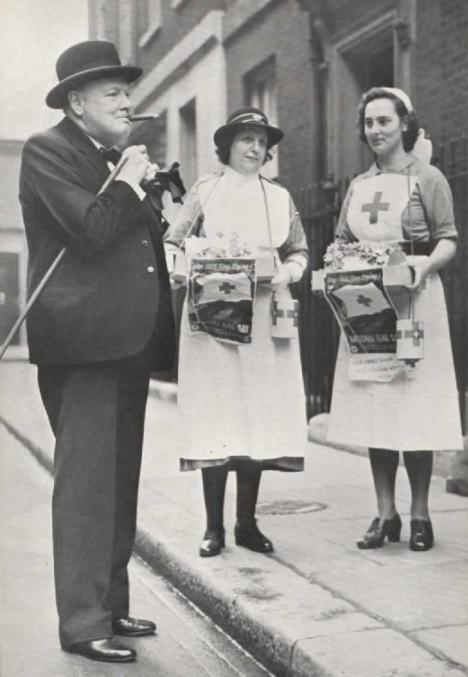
251 116
86 61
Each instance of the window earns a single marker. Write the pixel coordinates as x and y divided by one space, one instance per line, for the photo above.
260 91
98 20
126 31
188 142
372 66
150 21
9 294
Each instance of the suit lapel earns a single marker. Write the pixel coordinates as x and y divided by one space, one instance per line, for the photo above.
85 146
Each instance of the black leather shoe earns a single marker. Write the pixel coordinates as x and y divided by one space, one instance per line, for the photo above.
103 650
250 536
133 627
456 486
213 542
378 530
422 536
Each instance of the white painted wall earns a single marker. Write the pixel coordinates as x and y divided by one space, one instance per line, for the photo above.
206 83
190 71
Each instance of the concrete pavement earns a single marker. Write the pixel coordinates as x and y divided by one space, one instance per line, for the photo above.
186 643
317 605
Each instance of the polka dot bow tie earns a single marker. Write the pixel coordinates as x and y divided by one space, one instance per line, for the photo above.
111 154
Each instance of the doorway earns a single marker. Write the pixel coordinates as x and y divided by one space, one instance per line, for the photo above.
362 61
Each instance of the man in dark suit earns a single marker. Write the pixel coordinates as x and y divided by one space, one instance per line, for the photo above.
101 325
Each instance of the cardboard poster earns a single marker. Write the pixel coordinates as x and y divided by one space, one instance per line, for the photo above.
220 297
367 318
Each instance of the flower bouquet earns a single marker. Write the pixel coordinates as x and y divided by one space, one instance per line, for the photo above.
341 257
224 246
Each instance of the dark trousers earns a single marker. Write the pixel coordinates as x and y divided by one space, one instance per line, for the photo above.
97 415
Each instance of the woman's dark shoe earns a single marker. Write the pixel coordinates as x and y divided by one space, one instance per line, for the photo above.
422 536
250 536
213 542
378 530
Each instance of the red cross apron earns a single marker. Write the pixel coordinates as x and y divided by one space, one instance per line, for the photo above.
374 215
417 408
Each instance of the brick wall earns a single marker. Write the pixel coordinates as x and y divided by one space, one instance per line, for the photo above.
344 16
176 22
454 71
258 29
441 72
281 30
426 73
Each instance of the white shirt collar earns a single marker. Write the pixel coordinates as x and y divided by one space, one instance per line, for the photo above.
95 143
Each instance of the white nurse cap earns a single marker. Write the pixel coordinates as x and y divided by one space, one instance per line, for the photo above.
400 94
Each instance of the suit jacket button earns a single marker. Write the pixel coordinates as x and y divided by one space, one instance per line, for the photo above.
145 243
150 269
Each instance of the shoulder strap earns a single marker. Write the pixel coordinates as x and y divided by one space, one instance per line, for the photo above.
193 229
270 238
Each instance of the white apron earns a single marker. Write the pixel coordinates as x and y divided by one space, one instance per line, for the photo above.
419 409
242 400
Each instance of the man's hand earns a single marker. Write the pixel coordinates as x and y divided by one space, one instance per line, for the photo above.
153 168
136 165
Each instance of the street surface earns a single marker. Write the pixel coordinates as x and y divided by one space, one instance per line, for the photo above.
187 643
316 606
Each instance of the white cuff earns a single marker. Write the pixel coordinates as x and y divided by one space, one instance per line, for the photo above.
170 250
137 188
295 270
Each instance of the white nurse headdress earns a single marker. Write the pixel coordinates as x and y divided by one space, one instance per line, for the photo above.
422 149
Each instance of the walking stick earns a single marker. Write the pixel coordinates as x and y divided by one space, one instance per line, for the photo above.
34 296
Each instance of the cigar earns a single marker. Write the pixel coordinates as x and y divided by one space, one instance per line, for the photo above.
141 118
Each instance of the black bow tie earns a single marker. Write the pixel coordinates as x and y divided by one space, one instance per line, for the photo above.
111 154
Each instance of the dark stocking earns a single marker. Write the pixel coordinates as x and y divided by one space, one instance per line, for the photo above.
214 487
419 468
248 482
384 464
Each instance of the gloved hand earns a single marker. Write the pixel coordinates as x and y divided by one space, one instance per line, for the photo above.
288 272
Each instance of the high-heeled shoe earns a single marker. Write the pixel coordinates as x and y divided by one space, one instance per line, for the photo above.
422 535
378 530
250 536
213 542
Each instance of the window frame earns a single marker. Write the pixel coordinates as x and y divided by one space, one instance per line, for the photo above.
154 14
261 83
